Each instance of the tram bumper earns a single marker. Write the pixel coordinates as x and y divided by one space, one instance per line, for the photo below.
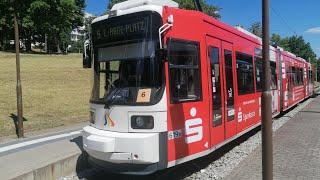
121 148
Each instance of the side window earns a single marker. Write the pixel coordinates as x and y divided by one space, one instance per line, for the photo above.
184 67
259 73
298 75
229 84
289 80
294 75
273 75
244 73
291 75
301 76
216 86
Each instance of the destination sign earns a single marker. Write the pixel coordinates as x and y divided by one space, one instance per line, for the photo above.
121 30
124 28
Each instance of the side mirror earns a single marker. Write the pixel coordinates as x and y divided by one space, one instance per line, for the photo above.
161 54
87 60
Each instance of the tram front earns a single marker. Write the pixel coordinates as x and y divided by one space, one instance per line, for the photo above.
128 107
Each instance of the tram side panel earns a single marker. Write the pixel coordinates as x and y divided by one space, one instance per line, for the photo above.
286 82
292 80
310 86
190 130
305 80
247 98
300 82
187 88
299 87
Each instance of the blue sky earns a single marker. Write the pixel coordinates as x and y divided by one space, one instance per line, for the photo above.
288 17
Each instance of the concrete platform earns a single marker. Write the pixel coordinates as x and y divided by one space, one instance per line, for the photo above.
44 161
296 149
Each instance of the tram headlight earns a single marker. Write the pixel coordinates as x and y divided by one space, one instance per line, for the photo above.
142 122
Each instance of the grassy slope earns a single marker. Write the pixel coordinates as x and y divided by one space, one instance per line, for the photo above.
56 91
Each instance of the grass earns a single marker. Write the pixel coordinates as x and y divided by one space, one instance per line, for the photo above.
55 88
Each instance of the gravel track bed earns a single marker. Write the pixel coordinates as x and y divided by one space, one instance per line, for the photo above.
225 164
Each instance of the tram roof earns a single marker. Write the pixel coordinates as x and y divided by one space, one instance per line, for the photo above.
132 6
136 3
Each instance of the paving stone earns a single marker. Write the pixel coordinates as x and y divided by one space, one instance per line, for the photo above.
296 149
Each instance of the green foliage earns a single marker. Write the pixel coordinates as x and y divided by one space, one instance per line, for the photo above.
57 19
87 23
76 47
256 29
37 18
185 4
275 39
6 27
296 45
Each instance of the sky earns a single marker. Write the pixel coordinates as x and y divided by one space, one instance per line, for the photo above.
287 17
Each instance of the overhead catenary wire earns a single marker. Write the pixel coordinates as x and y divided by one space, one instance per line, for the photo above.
284 20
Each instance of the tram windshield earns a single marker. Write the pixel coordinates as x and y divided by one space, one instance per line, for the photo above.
127 71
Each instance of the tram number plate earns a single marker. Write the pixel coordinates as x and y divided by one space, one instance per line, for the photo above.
174 134
144 95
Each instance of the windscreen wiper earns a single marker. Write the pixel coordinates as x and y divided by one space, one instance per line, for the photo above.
124 93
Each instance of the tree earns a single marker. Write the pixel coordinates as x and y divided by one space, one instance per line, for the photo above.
185 4
275 39
39 19
24 22
6 25
256 29
87 23
58 18
296 45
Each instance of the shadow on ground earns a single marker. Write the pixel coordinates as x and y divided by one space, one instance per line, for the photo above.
14 118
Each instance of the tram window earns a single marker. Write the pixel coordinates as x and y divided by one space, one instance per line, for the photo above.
273 75
298 76
299 80
259 73
289 80
301 76
185 82
244 73
294 75
229 84
216 86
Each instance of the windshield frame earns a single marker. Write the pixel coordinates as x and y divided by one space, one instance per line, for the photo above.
157 91
151 37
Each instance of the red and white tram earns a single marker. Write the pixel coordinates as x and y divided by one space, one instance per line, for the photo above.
172 85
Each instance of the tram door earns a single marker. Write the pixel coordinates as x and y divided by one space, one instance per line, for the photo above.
222 110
